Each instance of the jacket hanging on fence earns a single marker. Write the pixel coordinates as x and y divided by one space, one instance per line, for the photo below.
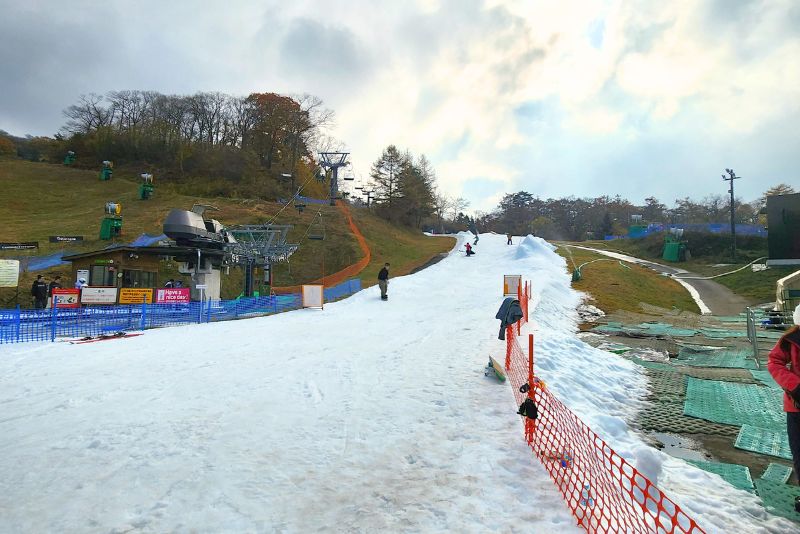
509 313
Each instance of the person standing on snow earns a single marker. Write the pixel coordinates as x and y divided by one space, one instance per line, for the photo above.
383 281
55 284
469 250
784 366
39 292
509 239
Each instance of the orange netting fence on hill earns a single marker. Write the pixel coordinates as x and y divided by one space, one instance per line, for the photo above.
349 271
603 491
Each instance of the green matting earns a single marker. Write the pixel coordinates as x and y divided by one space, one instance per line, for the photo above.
736 475
765 378
657 366
764 441
729 358
721 333
735 404
645 330
778 498
668 417
777 473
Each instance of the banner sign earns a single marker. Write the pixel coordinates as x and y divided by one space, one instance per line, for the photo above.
99 295
135 295
65 238
9 273
313 295
67 298
178 295
27 245
103 262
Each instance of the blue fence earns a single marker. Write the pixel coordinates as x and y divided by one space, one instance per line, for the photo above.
17 325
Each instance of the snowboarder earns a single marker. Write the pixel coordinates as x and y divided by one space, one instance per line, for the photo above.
39 292
469 250
383 281
784 366
509 239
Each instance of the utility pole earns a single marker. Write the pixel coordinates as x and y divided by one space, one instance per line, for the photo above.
730 178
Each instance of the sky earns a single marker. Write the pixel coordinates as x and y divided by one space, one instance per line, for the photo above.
576 97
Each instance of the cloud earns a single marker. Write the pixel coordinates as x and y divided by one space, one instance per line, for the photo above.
578 97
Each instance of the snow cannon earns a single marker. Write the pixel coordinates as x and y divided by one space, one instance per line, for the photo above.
146 188
107 172
111 225
69 159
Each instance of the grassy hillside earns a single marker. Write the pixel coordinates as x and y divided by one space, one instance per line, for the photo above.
40 200
615 287
711 256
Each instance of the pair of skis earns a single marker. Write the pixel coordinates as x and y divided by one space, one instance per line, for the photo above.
102 337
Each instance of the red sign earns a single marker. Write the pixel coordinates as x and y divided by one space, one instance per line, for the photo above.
67 298
169 295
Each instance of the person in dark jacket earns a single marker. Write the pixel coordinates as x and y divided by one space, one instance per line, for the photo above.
784 366
55 284
383 281
39 292
508 241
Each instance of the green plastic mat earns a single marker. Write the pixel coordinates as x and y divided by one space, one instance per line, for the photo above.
777 473
731 318
734 404
764 441
778 498
736 475
644 330
765 378
658 366
731 358
665 417
769 334
721 333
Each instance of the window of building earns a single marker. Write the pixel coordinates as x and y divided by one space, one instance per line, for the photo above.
136 278
102 275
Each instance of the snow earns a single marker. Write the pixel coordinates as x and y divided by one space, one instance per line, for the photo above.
364 416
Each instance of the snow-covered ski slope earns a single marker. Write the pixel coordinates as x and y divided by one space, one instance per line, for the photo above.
365 416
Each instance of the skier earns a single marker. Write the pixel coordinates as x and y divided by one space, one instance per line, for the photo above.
509 239
784 366
39 292
469 250
383 281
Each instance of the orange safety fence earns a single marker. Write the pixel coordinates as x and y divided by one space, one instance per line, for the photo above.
603 491
349 271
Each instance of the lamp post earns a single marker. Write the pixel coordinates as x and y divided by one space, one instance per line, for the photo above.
730 178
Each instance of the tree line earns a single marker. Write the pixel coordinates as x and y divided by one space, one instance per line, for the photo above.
260 138
572 218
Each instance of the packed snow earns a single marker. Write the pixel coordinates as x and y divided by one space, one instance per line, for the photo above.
363 416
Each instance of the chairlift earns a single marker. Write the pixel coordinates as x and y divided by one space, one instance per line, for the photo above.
299 207
359 187
316 231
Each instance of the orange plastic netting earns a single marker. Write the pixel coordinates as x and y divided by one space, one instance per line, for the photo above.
604 492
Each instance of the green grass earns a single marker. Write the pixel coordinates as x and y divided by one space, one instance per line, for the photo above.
614 287
41 199
756 287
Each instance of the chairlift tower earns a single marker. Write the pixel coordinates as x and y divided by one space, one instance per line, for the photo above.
333 161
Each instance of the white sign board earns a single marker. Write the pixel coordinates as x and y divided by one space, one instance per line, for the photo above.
313 296
9 273
82 273
99 295
511 283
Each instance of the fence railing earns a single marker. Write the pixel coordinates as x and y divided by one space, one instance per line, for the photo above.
602 490
17 325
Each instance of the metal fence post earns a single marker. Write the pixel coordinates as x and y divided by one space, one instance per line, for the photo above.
18 322
53 321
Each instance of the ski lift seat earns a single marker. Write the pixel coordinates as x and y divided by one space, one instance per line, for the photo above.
316 237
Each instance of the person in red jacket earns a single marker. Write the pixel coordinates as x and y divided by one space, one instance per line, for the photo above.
784 366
